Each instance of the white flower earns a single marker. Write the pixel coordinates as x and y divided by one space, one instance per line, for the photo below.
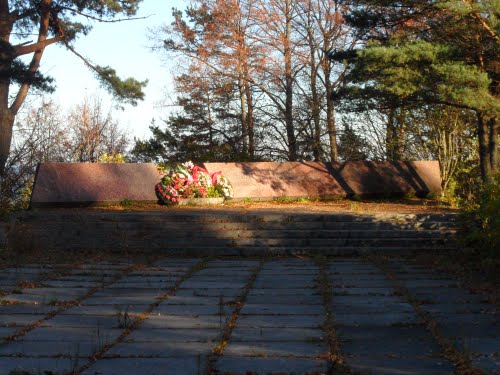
188 165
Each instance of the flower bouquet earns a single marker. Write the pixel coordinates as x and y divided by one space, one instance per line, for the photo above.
189 181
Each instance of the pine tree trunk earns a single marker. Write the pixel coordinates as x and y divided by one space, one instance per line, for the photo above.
487 129
493 146
6 125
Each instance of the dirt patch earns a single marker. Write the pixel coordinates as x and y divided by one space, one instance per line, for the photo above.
400 206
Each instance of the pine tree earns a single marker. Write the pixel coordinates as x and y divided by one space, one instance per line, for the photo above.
351 145
52 21
205 129
428 52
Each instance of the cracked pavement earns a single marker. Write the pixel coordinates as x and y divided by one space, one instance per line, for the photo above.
240 315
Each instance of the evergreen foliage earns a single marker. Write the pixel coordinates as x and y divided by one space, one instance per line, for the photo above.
428 53
53 21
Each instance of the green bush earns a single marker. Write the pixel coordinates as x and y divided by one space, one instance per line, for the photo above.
483 230
487 215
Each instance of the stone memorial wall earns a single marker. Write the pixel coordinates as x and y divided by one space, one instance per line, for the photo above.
80 184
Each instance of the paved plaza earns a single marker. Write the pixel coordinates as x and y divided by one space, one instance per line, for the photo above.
238 316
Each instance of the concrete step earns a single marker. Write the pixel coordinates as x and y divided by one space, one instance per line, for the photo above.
236 226
103 241
226 234
299 234
256 251
203 216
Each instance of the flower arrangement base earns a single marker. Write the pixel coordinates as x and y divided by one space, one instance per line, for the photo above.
200 201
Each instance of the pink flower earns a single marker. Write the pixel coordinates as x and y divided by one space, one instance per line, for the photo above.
216 177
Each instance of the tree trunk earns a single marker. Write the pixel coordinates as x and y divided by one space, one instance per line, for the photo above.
330 112
244 116
493 146
251 134
487 129
6 125
392 143
292 143
315 109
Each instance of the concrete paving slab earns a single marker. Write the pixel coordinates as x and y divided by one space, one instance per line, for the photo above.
213 309
270 299
113 301
83 279
25 309
222 272
142 291
460 330
356 300
19 320
194 300
151 366
240 277
38 365
7 331
71 334
282 321
24 298
479 346
399 308
431 283
459 308
398 366
243 365
89 321
376 328
277 334
146 285
228 263
278 283
209 292
284 291
381 319
448 295
487 364
105 310
23 348
148 279
473 319
182 335
285 309
375 332
179 321
26 270
162 349
297 272
164 273
195 284
276 349
106 266
359 291
70 284
391 347
61 293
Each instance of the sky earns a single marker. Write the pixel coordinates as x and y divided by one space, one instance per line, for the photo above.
125 46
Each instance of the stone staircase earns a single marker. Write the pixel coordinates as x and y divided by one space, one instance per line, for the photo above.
233 232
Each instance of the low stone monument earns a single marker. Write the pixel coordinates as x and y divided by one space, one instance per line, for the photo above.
268 180
85 184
